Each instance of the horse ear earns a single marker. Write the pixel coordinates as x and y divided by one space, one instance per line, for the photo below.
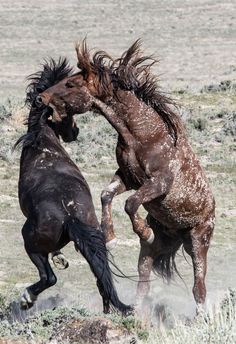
84 62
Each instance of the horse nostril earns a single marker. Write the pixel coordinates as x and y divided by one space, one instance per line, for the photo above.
39 100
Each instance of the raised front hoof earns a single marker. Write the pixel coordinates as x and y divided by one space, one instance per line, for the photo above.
110 245
27 300
60 261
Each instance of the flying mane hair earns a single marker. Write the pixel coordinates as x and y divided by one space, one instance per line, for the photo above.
52 73
131 72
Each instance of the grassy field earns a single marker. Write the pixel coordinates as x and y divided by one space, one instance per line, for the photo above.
195 45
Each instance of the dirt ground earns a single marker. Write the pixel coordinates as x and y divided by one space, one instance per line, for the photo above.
196 44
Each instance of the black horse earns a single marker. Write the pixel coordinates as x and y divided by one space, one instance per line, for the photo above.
55 197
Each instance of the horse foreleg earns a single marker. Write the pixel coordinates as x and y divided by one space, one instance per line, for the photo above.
47 279
150 190
197 246
115 188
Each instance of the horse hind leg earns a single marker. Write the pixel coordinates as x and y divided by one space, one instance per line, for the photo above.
197 245
59 260
47 279
145 263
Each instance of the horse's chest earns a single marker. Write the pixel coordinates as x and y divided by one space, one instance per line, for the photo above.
132 171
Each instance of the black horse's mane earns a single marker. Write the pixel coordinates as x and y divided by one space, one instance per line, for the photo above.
52 73
132 72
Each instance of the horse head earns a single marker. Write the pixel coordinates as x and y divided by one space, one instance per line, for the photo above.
68 97
66 128
77 94
40 113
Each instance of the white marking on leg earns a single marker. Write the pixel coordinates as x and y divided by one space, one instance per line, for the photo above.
151 237
112 186
27 298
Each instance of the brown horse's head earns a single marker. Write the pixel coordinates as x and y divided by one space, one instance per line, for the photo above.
76 94
68 97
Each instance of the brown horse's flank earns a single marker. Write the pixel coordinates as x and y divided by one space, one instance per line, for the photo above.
154 158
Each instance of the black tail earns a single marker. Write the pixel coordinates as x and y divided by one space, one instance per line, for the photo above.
91 243
164 262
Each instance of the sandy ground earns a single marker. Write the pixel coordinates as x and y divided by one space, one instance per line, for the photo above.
195 41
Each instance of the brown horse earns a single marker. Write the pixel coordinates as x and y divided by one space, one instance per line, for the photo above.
154 158
55 198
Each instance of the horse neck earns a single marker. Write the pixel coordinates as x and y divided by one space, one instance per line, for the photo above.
48 140
131 117
38 128
45 139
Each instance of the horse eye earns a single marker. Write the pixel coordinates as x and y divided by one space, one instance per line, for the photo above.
69 84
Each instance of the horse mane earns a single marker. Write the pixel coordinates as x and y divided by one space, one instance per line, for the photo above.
52 73
131 72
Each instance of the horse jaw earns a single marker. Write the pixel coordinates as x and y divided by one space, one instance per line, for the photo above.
56 117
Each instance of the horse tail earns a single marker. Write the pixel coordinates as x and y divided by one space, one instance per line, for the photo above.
164 261
91 243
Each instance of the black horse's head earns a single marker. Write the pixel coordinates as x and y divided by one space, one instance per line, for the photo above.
41 114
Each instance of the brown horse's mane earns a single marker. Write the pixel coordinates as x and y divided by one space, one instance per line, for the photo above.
131 72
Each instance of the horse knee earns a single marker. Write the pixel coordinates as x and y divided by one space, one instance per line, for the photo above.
131 206
106 197
109 192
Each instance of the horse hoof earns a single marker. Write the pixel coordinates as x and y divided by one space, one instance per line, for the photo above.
200 310
151 237
129 311
27 300
60 261
111 244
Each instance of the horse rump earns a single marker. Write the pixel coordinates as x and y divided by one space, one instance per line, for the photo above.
90 242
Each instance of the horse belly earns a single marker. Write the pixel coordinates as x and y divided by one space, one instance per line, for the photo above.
183 207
